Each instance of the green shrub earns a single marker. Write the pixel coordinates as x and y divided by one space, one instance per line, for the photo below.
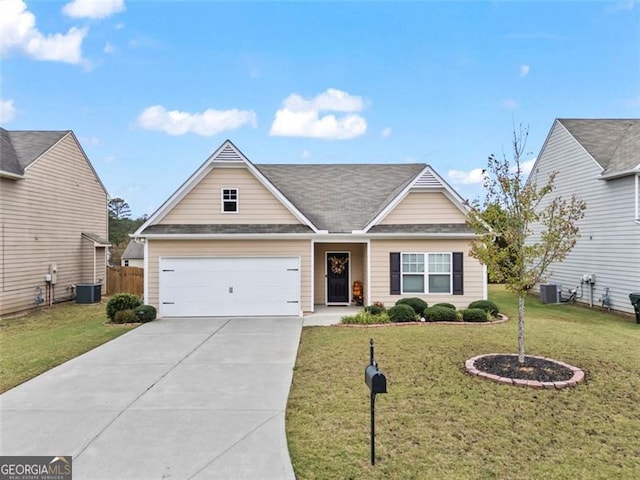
402 312
125 316
375 309
475 315
445 304
121 301
145 313
487 305
365 318
417 304
440 314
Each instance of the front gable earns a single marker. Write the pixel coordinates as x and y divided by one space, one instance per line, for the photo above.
199 201
204 203
424 208
427 200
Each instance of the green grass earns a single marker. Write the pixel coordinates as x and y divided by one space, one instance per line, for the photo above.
38 341
437 422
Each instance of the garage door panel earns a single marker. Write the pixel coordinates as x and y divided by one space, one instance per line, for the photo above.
229 286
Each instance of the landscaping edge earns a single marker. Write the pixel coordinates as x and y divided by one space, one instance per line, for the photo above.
502 319
578 374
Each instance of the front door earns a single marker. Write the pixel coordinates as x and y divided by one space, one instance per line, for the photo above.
338 277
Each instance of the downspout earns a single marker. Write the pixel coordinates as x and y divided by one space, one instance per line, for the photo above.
312 274
146 272
637 197
368 302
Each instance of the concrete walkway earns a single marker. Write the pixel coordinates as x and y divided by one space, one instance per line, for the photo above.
197 398
328 315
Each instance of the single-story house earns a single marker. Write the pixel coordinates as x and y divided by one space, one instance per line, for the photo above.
53 219
243 239
599 161
133 255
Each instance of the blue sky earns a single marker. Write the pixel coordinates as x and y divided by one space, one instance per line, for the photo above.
151 89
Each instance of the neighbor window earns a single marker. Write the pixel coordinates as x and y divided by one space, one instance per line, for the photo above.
126 263
426 273
229 200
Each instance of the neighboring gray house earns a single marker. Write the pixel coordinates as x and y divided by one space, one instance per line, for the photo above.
599 161
133 255
53 219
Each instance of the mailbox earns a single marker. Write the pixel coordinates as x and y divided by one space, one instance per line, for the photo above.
375 379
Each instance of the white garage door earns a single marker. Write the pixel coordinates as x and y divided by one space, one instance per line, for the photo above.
229 286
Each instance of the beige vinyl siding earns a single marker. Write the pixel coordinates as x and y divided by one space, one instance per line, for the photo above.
42 219
380 274
202 205
358 266
609 245
424 208
229 248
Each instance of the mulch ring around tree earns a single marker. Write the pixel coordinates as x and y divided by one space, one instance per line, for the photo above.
535 372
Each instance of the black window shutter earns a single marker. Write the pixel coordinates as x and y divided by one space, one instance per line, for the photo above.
458 274
394 262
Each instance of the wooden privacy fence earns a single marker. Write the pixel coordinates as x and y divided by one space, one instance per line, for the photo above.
125 280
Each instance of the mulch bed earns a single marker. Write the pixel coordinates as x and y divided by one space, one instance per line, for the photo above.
533 368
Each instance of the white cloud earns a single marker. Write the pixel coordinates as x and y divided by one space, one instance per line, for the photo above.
466 178
7 111
93 141
509 104
93 8
617 7
527 166
386 132
524 70
305 154
108 48
19 32
300 117
207 123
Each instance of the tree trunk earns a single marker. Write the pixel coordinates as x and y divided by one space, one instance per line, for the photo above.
521 328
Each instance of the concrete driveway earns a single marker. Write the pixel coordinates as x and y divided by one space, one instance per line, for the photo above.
197 398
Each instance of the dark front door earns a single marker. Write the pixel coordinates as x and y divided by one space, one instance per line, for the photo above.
337 277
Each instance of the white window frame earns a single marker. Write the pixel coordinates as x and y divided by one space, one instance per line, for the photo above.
426 273
223 200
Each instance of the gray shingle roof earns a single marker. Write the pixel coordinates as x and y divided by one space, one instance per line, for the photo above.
97 239
20 148
437 228
340 198
613 143
225 229
134 250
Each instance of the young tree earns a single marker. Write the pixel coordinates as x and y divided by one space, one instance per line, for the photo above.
525 260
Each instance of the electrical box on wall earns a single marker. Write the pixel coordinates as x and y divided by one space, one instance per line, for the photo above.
53 272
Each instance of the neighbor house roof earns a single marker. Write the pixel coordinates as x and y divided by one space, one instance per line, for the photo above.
613 143
20 148
134 250
341 197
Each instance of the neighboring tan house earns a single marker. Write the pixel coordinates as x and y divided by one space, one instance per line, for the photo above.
243 239
53 216
133 255
599 161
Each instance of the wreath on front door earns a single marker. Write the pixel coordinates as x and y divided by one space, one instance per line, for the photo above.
338 265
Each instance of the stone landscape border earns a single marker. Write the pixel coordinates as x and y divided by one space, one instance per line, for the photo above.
502 319
578 374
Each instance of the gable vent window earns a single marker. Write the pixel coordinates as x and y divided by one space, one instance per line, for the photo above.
229 200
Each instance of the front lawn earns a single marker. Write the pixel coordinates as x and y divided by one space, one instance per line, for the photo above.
42 339
437 422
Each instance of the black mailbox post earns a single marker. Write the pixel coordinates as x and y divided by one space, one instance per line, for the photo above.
377 383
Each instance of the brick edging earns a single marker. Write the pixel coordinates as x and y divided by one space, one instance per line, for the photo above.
503 319
578 374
